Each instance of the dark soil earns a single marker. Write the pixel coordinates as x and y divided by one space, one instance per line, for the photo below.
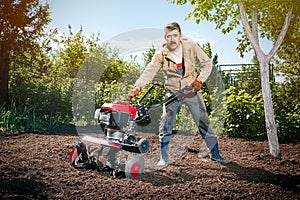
37 166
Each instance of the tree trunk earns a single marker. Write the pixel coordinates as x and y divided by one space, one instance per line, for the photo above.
268 108
4 69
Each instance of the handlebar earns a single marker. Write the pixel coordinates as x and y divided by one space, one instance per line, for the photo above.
178 96
149 89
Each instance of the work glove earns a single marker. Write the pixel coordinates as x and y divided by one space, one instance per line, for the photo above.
133 93
197 85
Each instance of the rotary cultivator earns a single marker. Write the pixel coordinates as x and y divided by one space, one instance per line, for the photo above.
120 151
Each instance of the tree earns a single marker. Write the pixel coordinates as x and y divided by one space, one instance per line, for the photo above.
74 49
21 23
256 17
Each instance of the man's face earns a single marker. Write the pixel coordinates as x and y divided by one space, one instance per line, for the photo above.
173 39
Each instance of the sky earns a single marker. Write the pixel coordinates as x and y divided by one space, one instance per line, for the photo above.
133 25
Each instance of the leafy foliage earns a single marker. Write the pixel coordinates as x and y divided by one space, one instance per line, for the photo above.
22 24
42 80
102 78
287 110
245 114
225 15
26 119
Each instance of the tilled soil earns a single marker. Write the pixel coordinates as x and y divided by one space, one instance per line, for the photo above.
37 166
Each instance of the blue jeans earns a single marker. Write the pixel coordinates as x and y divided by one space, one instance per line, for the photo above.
199 114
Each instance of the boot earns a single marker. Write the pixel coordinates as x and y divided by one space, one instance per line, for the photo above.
215 155
163 155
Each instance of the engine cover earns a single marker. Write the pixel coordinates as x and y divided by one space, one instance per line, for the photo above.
120 106
115 115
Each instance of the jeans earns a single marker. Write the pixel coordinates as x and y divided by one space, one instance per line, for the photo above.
197 108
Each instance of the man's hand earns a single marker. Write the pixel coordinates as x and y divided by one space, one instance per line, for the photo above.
197 85
133 93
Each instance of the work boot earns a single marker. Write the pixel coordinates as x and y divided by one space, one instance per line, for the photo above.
215 155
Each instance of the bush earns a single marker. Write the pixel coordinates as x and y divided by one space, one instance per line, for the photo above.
38 105
244 115
26 119
287 111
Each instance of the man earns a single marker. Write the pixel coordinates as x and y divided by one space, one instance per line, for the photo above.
178 60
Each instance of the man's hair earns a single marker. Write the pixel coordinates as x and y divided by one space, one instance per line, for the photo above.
172 26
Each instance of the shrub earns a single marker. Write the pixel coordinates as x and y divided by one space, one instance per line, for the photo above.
26 119
287 111
244 115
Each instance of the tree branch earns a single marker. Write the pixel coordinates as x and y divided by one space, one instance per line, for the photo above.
281 35
251 35
254 23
